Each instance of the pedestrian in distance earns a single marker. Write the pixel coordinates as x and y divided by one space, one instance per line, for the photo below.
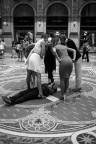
86 50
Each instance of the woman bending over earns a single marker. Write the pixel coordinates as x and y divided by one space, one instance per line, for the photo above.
65 64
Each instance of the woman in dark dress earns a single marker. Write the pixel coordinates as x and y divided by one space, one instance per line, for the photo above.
65 66
50 62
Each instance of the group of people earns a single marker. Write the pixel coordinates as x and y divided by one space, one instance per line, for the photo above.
49 49
2 47
62 49
19 48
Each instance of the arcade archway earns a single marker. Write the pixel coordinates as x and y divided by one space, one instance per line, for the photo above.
88 24
23 21
57 18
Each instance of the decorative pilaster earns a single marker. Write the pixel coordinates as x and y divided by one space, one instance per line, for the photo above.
74 18
74 7
5 6
39 7
39 21
5 21
75 23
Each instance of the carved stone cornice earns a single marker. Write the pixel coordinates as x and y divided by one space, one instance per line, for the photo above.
89 0
20 0
55 0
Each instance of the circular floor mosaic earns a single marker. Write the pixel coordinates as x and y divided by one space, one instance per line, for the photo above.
46 120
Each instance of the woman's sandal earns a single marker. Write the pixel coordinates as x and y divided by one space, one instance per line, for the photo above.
40 96
62 97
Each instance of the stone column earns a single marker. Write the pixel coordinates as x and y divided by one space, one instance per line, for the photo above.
75 23
6 16
6 24
39 19
12 27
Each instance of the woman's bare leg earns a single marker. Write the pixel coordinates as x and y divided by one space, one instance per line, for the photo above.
62 85
66 85
33 78
39 83
28 78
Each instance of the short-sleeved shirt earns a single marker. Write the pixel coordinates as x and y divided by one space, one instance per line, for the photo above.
71 44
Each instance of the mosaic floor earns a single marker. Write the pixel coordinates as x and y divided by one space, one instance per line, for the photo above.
46 121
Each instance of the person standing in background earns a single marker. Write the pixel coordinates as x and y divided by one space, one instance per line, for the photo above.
30 37
4 46
2 49
21 51
13 49
18 46
86 49
25 45
3 42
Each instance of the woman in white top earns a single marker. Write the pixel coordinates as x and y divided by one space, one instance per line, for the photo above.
34 66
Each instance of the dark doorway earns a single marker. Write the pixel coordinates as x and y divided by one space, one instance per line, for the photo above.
23 21
57 19
88 25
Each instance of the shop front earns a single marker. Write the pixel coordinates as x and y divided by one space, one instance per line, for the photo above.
57 19
88 25
23 21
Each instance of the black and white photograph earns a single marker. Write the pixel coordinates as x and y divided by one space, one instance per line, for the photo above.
47 71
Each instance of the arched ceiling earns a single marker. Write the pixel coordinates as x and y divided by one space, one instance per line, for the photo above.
23 10
57 10
89 10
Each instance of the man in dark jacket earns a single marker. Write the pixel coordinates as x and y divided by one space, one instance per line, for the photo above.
30 94
85 48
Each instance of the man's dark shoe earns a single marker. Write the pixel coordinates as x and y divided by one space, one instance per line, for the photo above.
77 90
7 100
61 98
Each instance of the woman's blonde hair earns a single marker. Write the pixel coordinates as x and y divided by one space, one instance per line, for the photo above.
55 40
44 35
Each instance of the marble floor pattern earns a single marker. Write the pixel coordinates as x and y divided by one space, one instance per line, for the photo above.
47 121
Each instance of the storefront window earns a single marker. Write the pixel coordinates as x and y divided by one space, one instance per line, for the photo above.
57 19
88 25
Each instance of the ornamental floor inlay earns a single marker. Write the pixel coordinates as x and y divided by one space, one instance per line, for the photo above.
35 119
